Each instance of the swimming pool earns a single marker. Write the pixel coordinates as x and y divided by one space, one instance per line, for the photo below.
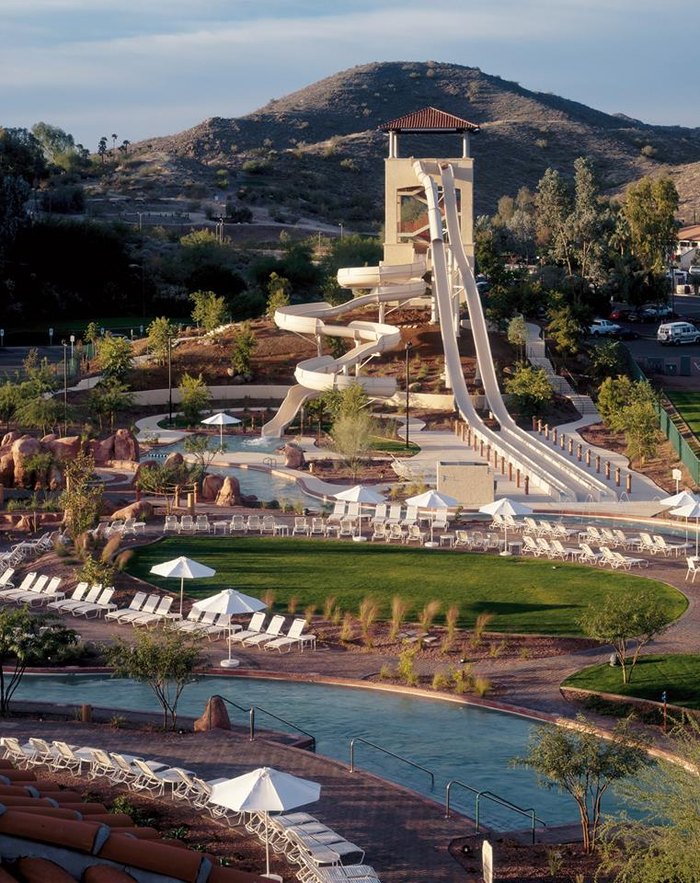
266 486
471 744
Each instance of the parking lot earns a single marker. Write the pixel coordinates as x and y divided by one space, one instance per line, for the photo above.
647 346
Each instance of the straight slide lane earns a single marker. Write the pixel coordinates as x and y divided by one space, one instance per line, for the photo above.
577 479
391 284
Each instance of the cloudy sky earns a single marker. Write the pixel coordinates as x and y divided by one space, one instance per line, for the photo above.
141 68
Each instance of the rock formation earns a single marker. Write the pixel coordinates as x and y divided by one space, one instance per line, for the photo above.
211 485
230 493
293 456
215 716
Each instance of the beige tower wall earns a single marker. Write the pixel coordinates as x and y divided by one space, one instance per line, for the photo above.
399 176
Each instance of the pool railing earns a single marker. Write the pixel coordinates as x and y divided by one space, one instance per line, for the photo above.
391 754
251 721
494 798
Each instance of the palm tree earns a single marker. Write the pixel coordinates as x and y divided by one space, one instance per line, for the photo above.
102 148
125 146
114 142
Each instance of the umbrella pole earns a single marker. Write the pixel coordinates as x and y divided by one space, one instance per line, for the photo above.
182 593
267 843
221 436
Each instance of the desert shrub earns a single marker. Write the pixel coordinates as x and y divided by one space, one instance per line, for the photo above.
406 669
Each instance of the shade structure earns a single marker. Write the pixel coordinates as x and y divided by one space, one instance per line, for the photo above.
229 602
690 510
365 496
184 568
265 790
505 506
683 498
221 419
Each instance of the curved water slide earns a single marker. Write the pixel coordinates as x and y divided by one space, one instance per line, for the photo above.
547 469
388 284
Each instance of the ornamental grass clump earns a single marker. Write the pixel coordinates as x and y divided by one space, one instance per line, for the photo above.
428 614
368 613
399 609
451 619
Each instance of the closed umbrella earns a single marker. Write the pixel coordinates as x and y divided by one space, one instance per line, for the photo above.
229 602
690 510
505 506
221 419
184 568
434 501
265 790
365 496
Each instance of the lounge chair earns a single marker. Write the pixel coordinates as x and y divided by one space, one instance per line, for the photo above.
588 556
669 548
202 524
395 532
411 516
414 535
625 541
6 578
379 531
72 759
530 547
132 526
301 526
563 551
647 544
237 523
161 613
254 523
148 606
295 635
394 516
170 524
268 524
627 563
254 628
34 590
544 547
49 593
153 781
317 527
189 623
136 604
347 527
187 524
21 755
272 631
102 604
608 557
693 568
24 586
337 513
218 627
380 513
77 596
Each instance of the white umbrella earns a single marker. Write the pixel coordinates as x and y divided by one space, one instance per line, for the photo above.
221 419
432 500
229 602
690 510
365 496
265 790
505 506
185 568
680 499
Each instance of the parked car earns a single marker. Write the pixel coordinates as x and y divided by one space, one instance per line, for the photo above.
601 327
625 334
676 333
619 313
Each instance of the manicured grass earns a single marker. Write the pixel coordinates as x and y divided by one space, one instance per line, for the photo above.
688 405
524 595
393 445
678 675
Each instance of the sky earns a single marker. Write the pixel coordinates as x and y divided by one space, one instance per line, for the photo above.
143 68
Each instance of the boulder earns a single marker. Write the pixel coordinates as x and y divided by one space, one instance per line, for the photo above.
141 511
7 469
66 448
55 478
22 449
102 450
10 438
172 461
215 716
125 446
230 492
211 485
48 438
293 456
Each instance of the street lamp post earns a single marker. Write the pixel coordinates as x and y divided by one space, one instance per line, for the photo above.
340 224
65 387
2 338
408 352
170 380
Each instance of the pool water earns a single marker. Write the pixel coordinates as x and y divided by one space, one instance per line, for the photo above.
266 486
474 745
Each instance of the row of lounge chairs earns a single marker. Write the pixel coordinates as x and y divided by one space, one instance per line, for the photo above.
584 553
38 589
271 637
26 550
321 855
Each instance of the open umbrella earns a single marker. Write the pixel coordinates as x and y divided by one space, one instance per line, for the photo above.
230 602
265 790
505 506
680 499
184 568
221 419
365 496
434 501
690 510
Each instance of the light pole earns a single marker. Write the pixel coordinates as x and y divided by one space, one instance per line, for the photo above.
408 352
2 338
340 224
65 387
170 380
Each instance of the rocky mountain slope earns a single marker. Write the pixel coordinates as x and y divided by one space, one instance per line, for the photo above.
318 152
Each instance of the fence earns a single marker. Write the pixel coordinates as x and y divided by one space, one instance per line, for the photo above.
675 429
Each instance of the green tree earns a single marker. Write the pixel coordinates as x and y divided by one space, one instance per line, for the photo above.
649 209
581 764
517 335
279 290
115 356
161 332
82 495
630 407
209 310
554 212
161 480
167 661
641 431
614 393
607 359
352 439
195 397
243 347
92 336
531 389
27 639
10 401
624 617
565 328
587 222
40 413
108 398
202 449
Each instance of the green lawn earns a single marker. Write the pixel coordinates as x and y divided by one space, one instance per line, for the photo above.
688 405
524 595
678 675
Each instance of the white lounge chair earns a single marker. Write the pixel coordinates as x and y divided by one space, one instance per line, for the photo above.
693 568
148 606
254 523
588 556
24 586
237 524
255 625
6 578
77 596
669 548
170 524
136 603
102 604
34 590
295 635
187 524
272 631
161 613
202 524
301 526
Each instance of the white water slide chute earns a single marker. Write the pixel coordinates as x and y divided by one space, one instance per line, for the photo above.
388 284
453 281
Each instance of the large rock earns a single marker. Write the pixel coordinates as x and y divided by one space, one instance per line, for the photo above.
211 485
293 456
22 450
10 438
66 448
215 716
174 460
7 469
230 493
125 446
102 450
141 511
55 478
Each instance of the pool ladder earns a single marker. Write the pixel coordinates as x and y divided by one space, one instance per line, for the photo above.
270 461
251 721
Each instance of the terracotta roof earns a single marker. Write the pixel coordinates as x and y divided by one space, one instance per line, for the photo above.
429 119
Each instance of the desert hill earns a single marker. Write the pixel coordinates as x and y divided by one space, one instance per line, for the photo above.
318 152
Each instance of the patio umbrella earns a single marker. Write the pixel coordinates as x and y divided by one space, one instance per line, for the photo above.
505 506
265 790
365 496
690 510
434 501
221 419
680 499
185 568
230 602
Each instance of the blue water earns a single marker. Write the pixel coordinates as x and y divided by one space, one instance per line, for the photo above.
471 744
233 442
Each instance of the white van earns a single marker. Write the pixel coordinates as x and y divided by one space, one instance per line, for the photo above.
677 333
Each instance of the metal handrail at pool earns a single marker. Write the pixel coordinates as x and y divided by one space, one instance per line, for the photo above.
251 721
391 754
500 801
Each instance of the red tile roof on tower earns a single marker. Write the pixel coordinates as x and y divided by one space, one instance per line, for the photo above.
429 119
